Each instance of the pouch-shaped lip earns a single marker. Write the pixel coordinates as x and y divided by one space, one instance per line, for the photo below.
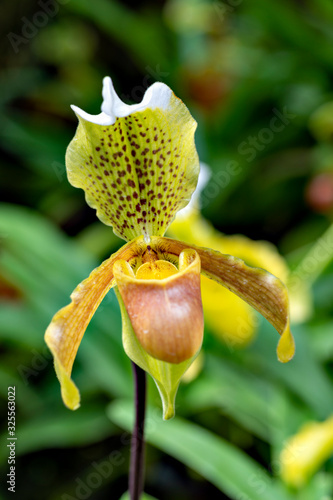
166 314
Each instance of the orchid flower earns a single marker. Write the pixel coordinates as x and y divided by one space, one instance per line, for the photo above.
138 166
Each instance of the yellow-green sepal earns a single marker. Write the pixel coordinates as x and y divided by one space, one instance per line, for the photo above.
137 164
167 376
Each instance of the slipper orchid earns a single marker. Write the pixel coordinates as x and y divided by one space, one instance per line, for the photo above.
138 167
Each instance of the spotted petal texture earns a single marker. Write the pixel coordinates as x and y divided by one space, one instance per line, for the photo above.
141 169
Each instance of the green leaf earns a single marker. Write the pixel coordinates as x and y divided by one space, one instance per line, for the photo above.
285 21
228 468
255 403
303 375
320 487
321 340
62 429
105 363
132 30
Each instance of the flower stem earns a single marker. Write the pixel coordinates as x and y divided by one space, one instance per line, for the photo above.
136 474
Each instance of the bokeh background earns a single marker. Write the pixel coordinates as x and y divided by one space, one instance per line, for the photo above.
237 64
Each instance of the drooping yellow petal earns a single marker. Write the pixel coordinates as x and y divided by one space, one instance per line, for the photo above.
228 316
164 306
260 289
64 334
305 452
137 164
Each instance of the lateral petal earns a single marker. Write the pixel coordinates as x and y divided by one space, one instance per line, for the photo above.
64 334
229 317
263 291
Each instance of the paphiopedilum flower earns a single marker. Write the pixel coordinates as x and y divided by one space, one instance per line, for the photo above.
138 166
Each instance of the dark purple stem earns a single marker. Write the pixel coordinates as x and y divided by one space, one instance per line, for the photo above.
137 446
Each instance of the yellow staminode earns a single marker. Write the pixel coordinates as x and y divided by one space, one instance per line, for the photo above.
157 270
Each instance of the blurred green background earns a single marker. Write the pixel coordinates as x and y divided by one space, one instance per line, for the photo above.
237 65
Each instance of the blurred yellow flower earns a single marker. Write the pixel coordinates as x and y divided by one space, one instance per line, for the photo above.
306 451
